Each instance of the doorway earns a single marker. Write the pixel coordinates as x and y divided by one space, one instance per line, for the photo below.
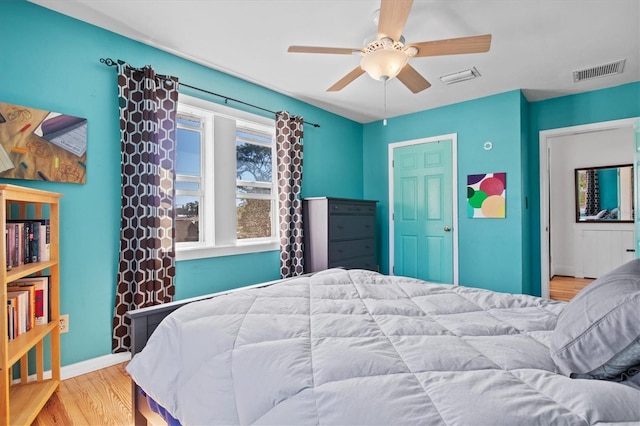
423 209
551 205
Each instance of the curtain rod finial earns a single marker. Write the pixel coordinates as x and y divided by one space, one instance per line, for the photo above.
110 62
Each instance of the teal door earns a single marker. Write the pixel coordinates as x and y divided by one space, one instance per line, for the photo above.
423 211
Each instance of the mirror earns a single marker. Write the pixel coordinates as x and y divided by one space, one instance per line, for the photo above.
604 194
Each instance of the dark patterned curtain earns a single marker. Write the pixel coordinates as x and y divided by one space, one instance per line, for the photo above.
289 162
148 104
592 202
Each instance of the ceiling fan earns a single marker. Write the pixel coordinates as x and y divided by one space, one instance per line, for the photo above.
388 56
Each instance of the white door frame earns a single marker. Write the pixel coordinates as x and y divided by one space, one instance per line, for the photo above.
454 176
545 140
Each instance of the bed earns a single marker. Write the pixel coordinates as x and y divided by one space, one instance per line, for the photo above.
358 347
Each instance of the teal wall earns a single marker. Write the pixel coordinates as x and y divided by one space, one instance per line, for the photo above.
615 103
501 255
50 61
526 203
491 251
61 72
608 185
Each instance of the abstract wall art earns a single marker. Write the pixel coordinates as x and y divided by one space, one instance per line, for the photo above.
42 145
486 195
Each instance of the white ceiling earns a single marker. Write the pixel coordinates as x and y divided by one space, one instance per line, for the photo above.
536 45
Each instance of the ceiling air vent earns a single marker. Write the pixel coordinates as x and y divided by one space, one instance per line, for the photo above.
599 71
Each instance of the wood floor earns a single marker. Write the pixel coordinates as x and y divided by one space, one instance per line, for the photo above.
100 398
565 288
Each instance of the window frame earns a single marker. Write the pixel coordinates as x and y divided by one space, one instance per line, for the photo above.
201 180
206 247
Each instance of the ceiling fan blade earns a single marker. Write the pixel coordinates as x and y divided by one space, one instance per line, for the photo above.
393 16
355 73
412 79
314 49
454 46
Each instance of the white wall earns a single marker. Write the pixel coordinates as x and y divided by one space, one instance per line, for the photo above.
568 245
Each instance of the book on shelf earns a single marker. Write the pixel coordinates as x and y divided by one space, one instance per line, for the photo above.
12 308
16 243
45 240
20 243
40 286
22 309
34 242
6 248
31 302
28 241
10 236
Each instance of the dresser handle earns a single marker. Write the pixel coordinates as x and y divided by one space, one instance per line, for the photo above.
631 250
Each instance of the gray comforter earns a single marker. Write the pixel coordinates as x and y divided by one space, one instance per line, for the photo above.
356 347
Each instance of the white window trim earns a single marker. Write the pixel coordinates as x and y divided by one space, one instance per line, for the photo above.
205 248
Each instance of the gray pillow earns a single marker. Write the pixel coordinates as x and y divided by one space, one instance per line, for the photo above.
597 333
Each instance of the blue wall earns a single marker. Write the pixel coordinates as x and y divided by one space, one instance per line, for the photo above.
50 61
491 251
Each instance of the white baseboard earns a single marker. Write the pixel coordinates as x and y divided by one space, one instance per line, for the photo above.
84 367
93 364
564 270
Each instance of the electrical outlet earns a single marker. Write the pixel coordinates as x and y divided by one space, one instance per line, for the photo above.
64 323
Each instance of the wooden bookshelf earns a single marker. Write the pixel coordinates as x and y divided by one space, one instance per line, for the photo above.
21 400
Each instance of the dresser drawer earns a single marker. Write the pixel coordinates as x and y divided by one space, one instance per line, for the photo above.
345 207
346 227
352 248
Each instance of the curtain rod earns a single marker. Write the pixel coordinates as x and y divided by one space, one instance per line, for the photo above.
111 63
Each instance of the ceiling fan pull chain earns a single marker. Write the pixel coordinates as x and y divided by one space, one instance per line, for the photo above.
384 122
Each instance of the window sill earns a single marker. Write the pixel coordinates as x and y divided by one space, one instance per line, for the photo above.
192 253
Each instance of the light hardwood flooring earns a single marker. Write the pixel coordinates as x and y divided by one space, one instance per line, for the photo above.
565 288
99 398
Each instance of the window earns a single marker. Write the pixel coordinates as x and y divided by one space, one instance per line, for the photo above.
225 181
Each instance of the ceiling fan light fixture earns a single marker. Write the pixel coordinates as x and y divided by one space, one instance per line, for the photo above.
384 64
459 76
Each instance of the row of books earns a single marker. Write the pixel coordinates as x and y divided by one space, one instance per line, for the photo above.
27 304
27 241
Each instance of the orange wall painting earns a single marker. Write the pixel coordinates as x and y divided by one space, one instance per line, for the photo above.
42 145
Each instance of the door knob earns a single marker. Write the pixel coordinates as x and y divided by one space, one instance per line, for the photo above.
447 229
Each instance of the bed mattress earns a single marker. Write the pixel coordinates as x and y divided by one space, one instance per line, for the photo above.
357 347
